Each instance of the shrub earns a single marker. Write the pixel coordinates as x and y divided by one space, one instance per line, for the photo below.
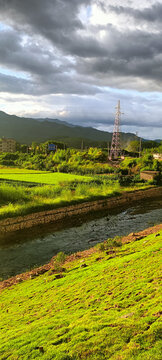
61 257
7 162
116 242
63 167
59 156
125 180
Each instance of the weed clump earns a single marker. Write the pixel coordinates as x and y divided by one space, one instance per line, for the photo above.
110 243
116 242
101 247
59 261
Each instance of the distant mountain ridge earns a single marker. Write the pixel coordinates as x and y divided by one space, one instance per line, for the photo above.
26 130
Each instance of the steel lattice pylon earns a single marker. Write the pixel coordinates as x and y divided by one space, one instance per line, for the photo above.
115 151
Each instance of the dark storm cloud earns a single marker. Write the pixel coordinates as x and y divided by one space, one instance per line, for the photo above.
48 72
41 15
52 49
55 20
151 14
132 54
56 24
135 54
39 32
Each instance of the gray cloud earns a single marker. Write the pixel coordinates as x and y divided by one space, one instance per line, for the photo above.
48 71
52 50
150 14
132 54
30 57
56 84
57 21
133 59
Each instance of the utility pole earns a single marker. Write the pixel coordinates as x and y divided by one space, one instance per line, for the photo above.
115 151
140 147
108 149
82 145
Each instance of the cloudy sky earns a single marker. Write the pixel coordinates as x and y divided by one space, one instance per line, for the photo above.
73 59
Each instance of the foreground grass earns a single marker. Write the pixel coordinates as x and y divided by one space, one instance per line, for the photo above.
109 309
20 201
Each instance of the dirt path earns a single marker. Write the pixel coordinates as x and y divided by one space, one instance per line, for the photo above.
81 254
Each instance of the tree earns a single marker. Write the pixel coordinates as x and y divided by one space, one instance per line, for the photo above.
133 146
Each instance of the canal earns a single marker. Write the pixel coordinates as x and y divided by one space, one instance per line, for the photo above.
21 251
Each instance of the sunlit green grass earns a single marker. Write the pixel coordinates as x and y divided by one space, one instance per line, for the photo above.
13 170
52 190
17 200
41 177
109 309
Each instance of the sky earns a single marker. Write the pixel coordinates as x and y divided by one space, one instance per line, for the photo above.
74 59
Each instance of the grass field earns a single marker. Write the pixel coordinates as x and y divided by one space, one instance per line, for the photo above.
12 170
52 190
41 177
106 309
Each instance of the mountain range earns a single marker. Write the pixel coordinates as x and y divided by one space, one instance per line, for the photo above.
26 130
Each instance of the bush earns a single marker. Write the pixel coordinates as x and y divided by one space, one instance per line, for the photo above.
157 180
116 242
110 243
61 257
9 156
7 162
60 156
124 171
125 180
63 167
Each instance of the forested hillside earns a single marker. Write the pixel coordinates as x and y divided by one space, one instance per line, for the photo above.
26 130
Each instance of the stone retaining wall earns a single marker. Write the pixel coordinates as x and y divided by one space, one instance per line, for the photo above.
51 216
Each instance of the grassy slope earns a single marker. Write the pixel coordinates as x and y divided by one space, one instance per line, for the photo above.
107 310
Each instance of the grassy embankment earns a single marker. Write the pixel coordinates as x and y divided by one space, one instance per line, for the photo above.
105 305
53 190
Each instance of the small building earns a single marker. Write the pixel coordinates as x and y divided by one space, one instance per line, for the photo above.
51 148
148 175
157 156
7 145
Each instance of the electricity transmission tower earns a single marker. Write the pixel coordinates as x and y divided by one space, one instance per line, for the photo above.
115 150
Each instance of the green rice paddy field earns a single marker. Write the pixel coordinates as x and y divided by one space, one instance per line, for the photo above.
102 305
41 177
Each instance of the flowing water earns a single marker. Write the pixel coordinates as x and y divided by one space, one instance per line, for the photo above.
23 250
